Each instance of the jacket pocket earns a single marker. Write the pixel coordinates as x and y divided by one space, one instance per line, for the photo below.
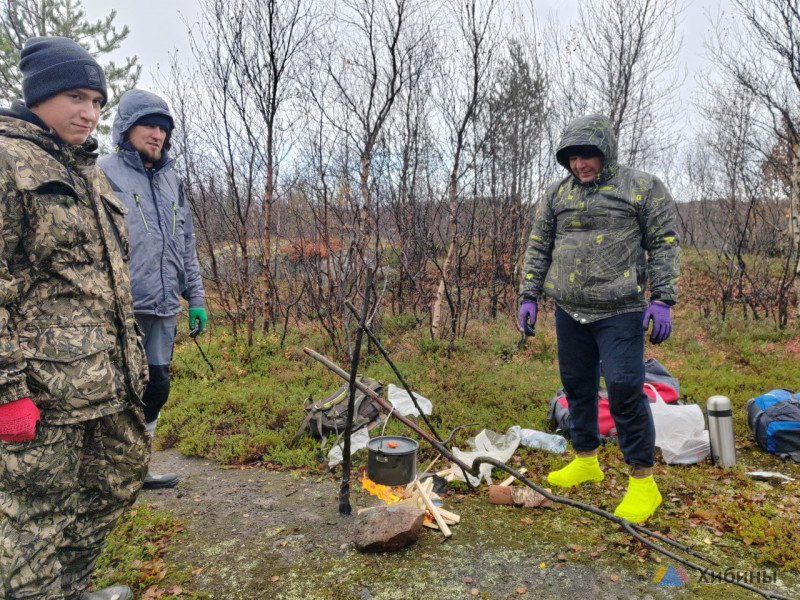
58 220
69 367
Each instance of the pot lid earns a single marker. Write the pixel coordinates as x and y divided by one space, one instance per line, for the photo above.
393 444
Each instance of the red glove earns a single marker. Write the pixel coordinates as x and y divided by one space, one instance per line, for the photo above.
18 420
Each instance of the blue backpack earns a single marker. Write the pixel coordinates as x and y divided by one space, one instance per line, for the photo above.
774 419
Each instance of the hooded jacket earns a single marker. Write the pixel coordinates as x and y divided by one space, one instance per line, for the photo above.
164 263
594 246
68 338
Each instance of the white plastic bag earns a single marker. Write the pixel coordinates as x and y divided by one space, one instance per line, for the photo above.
403 404
358 440
680 431
686 450
487 443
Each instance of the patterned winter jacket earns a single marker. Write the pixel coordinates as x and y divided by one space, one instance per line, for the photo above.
67 333
594 246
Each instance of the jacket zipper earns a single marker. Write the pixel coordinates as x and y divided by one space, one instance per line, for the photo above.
174 216
141 212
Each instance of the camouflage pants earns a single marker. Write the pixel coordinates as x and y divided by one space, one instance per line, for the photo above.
61 494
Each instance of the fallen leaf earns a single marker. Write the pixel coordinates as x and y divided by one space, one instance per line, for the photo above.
475 592
466 579
576 547
561 557
707 541
275 578
614 578
197 571
521 590
541 565
425 555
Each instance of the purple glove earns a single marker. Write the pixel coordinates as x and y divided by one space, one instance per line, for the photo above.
527 317
662 321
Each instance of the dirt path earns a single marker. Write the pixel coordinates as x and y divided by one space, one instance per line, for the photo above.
244 527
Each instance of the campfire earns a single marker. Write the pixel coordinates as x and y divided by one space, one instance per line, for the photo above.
417 493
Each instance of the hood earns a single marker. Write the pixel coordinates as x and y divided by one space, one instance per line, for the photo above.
133 105
591 130
19 122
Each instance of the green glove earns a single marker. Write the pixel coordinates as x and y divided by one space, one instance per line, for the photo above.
195 314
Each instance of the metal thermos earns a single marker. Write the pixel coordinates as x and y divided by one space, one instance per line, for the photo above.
720 431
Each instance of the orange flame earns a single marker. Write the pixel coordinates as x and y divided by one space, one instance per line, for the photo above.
384 492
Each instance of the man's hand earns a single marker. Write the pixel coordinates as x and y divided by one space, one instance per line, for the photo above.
662 321
527 317
197 318
18 420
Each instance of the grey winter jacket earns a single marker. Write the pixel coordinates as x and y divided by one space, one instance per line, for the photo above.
594 246
164 263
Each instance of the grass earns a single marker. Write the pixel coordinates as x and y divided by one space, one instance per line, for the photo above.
134 555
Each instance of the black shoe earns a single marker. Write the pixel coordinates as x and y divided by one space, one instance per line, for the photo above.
117 592
157 482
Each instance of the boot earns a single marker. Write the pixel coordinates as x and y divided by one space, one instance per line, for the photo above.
154 481
640 501
117 592
580 470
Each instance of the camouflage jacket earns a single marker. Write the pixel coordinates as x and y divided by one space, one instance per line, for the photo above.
67 333
594 246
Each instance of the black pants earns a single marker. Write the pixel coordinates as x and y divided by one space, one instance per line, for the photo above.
617 343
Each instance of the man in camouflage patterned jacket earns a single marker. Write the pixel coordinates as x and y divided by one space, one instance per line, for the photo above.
600 234
70 357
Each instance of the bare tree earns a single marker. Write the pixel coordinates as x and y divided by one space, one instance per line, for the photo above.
620 59
462 91
762 56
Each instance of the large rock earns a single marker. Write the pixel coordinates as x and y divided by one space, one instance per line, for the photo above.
386 528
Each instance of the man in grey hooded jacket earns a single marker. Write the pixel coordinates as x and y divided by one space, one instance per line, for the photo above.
600 236
163 264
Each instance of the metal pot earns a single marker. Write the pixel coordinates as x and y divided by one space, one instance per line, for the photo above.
392 460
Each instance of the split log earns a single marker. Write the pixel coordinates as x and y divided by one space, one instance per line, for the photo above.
517 496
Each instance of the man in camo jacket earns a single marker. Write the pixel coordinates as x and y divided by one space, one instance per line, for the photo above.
73 446
600 236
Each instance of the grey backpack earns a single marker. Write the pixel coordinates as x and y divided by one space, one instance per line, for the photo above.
329 415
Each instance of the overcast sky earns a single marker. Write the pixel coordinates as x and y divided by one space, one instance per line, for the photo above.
158 27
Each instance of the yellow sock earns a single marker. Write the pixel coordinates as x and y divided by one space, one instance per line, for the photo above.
640 501
581 469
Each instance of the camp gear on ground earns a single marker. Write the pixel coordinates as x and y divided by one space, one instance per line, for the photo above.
487 444
392 460
198 318
402 403
680 431
155 481
358 440
527 317
655 374
660 314
117 592
640 501
580 470
329 415
542 441
18 420
770 476
774 419
720 430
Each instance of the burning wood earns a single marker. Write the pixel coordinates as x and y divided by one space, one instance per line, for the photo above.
417 493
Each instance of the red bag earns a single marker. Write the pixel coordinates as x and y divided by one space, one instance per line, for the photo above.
658 381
